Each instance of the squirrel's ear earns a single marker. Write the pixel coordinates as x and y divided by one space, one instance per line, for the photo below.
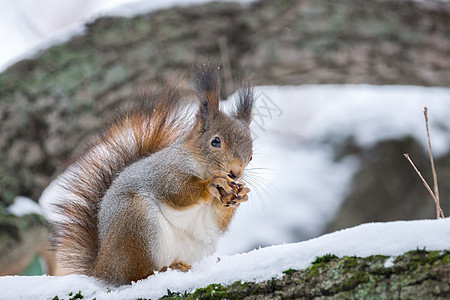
207 85
244 102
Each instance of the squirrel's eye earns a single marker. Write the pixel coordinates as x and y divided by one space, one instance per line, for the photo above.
215 142
251 157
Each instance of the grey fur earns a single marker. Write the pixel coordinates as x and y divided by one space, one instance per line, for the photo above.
161 171
146 177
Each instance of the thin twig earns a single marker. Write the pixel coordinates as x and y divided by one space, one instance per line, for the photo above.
435 194
439 212
421 177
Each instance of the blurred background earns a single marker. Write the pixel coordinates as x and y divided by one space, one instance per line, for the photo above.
341 87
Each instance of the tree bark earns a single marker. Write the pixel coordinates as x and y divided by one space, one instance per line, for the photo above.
414 275
51 102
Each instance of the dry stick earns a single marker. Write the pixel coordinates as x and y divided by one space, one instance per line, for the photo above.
421 177
435 194
439 212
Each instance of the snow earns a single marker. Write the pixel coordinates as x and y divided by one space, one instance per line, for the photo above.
24 206
390 239
389 262
133 8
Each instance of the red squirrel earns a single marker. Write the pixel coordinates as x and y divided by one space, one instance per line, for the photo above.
155 191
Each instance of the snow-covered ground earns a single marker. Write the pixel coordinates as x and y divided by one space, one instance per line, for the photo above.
388 239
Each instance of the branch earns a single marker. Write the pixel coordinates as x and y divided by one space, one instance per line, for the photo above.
439 212
421 177
435 194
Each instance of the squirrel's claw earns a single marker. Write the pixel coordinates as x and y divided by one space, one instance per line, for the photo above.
235 199
241 196
220 186
215 192
228 191
177 265
226 185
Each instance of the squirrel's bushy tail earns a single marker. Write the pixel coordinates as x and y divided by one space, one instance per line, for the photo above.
154 124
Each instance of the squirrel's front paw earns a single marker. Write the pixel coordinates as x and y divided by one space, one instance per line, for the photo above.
242 194
236 198
228 191
221 185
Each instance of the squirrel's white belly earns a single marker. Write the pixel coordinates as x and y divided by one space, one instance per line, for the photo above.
186 235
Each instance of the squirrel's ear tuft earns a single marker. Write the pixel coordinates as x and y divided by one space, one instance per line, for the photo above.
244 102
207 85
203 116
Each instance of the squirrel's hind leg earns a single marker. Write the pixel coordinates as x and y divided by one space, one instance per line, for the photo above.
177 265
124 255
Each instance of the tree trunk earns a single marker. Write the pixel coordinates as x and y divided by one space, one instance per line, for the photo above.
50 103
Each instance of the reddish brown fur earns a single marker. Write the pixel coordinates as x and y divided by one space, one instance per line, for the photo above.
213 98
224 214
76 240
192 192
124 256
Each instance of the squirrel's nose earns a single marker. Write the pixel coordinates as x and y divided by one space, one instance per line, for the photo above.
233 175
236 170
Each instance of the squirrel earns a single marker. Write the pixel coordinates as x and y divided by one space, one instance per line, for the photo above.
156 189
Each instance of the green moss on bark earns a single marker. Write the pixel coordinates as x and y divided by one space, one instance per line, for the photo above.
417 274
